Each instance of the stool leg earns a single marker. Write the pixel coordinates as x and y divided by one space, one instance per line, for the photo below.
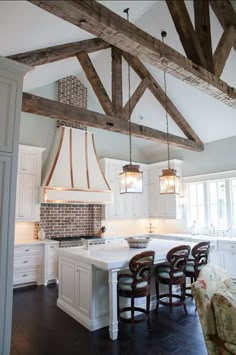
148 311
157 295
183 297
132 312
170 302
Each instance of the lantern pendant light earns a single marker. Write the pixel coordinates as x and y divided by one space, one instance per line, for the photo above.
131 179
169 181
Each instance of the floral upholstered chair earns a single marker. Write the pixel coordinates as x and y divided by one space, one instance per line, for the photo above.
215 296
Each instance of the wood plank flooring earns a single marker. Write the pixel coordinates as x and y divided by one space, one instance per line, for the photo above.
41 328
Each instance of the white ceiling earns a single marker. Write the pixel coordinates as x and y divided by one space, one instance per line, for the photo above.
25 27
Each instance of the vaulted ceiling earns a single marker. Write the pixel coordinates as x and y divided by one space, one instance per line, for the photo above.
26 27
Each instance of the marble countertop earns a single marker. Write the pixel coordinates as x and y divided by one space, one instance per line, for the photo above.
117 254
195 237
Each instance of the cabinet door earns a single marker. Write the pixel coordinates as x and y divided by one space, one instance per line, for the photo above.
27 162
229 263
67 282
26 197
82 290
214 258
8 94
51 263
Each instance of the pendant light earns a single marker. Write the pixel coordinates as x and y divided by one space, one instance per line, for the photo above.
131 179
169 181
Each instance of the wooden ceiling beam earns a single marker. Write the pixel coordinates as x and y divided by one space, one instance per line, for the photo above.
159 94
58 110
203 30
223 49
95 18
187 34
225 13
130 105
96 83
117 92
52 54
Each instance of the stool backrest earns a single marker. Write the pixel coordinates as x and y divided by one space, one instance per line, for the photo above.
141 266
177 258
200 254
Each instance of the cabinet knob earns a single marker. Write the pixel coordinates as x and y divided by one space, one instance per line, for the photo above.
24 275
26 261
52 246
26 249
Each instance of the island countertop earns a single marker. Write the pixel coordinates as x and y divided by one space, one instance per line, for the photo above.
117 254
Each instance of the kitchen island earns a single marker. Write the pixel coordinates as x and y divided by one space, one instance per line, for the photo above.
88 280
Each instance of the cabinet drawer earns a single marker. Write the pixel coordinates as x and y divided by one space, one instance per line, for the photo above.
213 246
228 246
27 275
28 250
25 261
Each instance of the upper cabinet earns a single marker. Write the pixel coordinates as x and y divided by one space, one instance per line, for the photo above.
28 183
163 206
150 203
124 206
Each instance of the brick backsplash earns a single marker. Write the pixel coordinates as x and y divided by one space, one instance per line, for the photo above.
72 92
70 219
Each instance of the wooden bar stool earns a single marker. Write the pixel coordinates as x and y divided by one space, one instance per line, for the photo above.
172 273
196 261
136 284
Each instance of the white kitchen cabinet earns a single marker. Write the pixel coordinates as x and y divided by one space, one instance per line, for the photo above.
214 254
228 257
28 264
28 183
163 206
50 261
124 206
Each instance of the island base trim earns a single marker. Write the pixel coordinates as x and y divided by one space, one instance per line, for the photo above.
83 320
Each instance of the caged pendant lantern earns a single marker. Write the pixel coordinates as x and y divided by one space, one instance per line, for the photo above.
131 179
169 181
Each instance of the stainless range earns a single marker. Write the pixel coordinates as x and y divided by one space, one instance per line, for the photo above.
76 241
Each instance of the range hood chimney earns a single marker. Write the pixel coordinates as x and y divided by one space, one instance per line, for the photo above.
73 173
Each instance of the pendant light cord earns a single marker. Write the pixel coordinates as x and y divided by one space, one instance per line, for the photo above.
163 35
129 108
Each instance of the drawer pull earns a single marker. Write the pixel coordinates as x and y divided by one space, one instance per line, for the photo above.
52 246
24 275
26 261
26 249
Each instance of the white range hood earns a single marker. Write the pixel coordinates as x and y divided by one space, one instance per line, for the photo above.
73 173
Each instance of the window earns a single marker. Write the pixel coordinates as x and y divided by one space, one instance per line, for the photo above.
212 204
217 204
196 204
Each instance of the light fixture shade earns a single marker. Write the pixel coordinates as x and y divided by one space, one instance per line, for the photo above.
131 179
169 182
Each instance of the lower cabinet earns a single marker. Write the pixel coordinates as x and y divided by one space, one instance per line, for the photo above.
28 264
83 293
35 263
50 262
228 257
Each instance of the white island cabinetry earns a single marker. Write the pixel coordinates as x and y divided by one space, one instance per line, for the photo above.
228 257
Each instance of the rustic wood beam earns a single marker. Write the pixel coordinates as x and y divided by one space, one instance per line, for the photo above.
203 30
187 34
130 105
159 94
117 97
58 110
223 49
103 23
225 13
52 54
96 83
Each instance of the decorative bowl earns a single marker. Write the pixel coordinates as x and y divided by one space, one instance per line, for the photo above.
138 242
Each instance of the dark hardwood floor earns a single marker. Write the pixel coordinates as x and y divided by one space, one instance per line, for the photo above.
41 328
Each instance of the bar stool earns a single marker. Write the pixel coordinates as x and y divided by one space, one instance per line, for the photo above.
136 284
172 273
196 261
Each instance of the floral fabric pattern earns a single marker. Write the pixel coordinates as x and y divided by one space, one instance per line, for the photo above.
209 280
